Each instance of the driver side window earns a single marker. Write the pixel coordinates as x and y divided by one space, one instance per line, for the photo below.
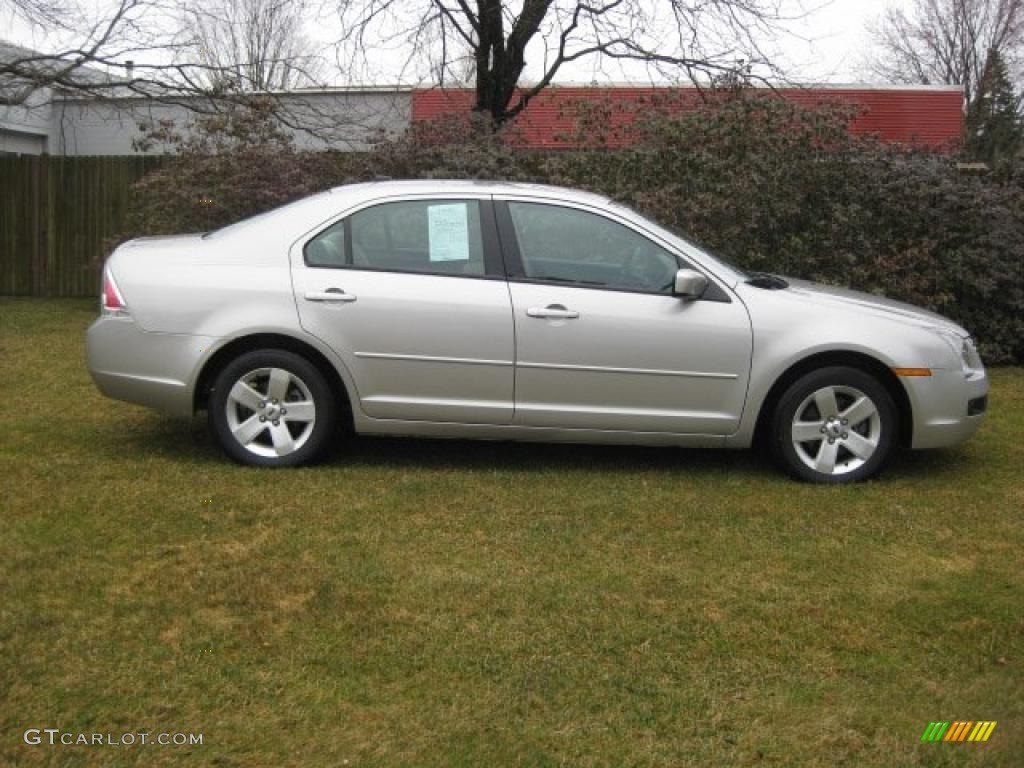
568 245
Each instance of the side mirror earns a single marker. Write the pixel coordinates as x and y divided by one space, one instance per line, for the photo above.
689 284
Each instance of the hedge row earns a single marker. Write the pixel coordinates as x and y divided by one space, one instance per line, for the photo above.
773 186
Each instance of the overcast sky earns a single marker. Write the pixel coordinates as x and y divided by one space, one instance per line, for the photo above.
826 41
838 41
829 45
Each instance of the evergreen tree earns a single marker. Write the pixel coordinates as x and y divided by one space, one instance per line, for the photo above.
993 121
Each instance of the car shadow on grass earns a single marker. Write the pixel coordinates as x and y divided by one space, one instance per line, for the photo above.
535 456
945 462
191 442
165 438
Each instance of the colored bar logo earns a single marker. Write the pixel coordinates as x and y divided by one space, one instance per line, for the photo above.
960 730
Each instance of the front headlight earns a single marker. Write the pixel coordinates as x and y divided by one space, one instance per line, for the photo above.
963 350
972 360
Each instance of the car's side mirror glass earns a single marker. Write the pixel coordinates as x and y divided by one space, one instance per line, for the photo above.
689 284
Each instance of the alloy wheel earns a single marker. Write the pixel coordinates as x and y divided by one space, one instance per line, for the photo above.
836 430
270 412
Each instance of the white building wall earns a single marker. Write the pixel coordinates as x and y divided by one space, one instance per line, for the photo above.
344 120
12 142
25 129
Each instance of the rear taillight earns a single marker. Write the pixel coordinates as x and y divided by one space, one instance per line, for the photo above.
112 302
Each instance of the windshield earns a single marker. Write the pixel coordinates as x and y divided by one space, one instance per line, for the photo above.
691 246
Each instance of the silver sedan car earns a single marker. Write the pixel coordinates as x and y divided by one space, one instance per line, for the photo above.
512 311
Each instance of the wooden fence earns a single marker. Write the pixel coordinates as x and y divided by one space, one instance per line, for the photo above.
55 214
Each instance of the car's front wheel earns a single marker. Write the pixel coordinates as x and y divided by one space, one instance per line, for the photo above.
834 425
272 408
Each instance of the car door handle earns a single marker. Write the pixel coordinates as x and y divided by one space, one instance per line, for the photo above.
331 295
553 311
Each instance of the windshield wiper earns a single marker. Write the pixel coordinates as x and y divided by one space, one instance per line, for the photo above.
767 280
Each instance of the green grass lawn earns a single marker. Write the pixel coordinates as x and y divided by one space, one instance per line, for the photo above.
427 603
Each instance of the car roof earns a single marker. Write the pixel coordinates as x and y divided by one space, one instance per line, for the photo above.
463 186
291 220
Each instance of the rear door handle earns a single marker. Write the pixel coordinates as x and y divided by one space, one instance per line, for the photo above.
553 311
330 295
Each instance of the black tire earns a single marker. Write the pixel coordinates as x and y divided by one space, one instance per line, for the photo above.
310 442
794 455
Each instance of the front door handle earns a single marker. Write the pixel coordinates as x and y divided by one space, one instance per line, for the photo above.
330 295
553 311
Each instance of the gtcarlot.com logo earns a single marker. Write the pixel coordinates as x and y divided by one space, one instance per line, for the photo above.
57 737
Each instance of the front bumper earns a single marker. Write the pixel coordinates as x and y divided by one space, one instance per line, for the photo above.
157 370
947 407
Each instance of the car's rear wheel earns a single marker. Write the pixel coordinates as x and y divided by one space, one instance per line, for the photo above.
834 425
272 408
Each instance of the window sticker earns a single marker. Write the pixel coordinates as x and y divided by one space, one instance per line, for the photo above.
449 232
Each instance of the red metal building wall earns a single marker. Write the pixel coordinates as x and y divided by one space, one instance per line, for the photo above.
926 117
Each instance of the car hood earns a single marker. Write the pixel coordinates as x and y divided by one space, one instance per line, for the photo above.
803 290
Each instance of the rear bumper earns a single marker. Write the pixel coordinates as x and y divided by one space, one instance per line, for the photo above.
157 370
946 407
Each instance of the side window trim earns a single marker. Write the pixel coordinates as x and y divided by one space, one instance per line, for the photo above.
350 259
494 263
517 273
509 242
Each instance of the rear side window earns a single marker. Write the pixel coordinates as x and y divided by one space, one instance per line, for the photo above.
441 237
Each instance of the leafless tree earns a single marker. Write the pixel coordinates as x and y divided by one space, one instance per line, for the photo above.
948 41
136 48
51 12
252 45
91 52
693 39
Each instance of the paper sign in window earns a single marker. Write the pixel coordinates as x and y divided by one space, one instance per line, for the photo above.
449 232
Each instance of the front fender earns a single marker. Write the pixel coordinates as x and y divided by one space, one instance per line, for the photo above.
787 333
